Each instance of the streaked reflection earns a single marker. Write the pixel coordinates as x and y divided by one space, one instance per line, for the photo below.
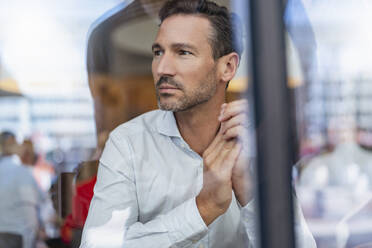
110 234
45 102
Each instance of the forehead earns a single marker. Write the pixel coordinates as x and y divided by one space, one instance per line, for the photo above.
192 29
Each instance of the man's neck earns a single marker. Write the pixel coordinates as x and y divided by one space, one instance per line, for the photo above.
199 125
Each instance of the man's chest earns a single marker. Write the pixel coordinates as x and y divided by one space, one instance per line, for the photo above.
165 177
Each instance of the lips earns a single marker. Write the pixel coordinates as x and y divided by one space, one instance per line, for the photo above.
167 87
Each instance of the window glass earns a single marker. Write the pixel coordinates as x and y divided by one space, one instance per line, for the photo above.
71 73
329 68
46 115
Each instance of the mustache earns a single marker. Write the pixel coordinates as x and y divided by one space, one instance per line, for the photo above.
168 80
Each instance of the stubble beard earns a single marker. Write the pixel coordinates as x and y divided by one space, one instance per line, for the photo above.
189 99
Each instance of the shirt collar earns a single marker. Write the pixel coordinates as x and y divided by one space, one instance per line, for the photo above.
166 124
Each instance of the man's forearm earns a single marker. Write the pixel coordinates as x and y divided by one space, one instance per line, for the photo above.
207 212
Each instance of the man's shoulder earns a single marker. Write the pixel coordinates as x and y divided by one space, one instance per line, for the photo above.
141 124
14 167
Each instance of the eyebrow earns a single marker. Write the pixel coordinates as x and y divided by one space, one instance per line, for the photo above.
183 46
176 46
155 46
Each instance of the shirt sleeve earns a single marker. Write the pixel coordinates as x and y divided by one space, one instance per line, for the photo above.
113 214
304 238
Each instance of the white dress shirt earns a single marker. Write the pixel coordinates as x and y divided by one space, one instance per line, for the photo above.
147 182
20 198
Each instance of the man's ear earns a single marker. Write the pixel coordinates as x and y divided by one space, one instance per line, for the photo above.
228 66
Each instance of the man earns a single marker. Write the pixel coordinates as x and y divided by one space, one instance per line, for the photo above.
178 176
20 198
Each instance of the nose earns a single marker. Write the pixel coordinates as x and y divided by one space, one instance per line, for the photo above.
164 65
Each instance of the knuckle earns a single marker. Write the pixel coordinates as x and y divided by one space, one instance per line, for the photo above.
229 145
226 112
234 130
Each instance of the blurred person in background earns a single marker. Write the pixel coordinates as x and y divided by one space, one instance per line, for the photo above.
20 196
43 173
27 153
42 170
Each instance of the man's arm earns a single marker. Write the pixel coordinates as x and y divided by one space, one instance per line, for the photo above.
234 125
113 214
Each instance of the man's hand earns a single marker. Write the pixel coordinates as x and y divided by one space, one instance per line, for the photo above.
234 126
215 197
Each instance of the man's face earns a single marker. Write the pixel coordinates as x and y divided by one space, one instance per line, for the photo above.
183 67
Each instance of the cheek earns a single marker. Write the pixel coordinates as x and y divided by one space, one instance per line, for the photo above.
190 70
153 70
197 72
153 67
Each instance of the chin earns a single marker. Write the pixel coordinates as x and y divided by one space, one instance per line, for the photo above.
167 107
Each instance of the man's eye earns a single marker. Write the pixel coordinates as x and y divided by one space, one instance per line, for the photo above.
157 53
183 52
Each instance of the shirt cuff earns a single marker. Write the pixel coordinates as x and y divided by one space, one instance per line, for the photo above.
185 224
249 218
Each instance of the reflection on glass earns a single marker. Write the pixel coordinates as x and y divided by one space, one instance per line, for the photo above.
46 115
333 52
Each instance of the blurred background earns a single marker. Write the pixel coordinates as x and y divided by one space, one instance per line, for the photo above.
334 111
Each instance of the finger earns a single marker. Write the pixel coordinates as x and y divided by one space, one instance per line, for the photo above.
211 157
241 104
214 145
226 147
232 156
234 103
237 132
231 110
237 120
213 150
238 102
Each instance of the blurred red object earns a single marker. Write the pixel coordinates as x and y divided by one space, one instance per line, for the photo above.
80 208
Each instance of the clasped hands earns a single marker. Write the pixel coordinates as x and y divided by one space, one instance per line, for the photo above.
226 164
